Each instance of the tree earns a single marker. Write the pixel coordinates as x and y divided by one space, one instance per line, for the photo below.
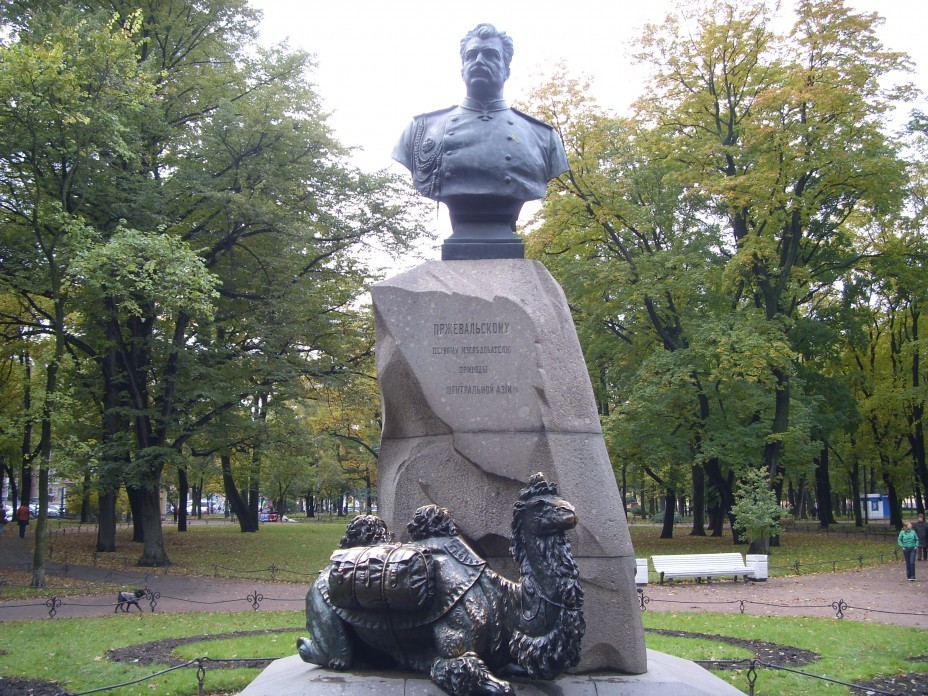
619 241
703 242
756 510
788 149
67 93
232 180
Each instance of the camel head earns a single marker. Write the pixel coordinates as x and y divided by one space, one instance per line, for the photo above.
540 510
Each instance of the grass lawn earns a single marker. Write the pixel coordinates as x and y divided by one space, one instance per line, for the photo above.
63 650
73 651
299 551
850 651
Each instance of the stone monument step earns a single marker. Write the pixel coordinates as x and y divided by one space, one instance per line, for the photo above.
666 675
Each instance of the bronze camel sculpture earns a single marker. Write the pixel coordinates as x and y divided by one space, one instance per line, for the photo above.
433 606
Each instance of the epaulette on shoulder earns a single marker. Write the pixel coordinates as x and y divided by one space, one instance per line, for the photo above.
531 119
434 113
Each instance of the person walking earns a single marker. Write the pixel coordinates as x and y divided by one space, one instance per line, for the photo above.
908 541
3 519
22 516
921 529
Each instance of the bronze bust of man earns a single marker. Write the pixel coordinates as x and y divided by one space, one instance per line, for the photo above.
482 158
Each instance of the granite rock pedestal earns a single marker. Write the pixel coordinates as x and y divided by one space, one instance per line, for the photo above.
666 675
483 384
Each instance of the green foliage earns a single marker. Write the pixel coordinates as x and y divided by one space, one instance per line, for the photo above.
658 518
180 216
707 242
135 271
756 510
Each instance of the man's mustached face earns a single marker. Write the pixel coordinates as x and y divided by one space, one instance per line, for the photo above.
484 68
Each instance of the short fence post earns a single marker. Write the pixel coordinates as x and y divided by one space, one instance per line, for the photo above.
201 677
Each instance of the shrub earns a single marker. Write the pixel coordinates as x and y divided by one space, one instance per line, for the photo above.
658 518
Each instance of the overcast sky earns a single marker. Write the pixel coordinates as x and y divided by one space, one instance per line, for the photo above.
382 61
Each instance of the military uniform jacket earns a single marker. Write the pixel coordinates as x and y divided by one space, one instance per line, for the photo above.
475 150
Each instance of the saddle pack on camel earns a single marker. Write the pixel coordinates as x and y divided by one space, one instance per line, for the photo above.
388 577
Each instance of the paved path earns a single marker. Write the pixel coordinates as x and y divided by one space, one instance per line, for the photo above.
177 592
878 594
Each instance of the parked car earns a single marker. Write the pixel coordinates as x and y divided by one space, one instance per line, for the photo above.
53 510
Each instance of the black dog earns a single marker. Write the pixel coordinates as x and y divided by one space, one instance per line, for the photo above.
127 599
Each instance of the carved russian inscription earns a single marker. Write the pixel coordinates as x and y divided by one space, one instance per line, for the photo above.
477 354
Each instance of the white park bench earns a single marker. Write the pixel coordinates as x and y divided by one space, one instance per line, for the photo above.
701 565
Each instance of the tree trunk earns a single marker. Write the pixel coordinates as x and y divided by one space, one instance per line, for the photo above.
670 509
780 423
778 490
183 486
760 546
14 491
723 487
25 474
85 499
45 447
254 501
826 515
106 520
233 497
153 552
917 415
699 501
799 512
109 474
196 499
895 508
135 495
38 557
310 504
368 496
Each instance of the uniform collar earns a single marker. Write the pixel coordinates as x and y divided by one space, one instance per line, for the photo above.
474 105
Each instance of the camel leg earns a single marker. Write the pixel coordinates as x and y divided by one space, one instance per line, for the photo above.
330 645
466 675
458 670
